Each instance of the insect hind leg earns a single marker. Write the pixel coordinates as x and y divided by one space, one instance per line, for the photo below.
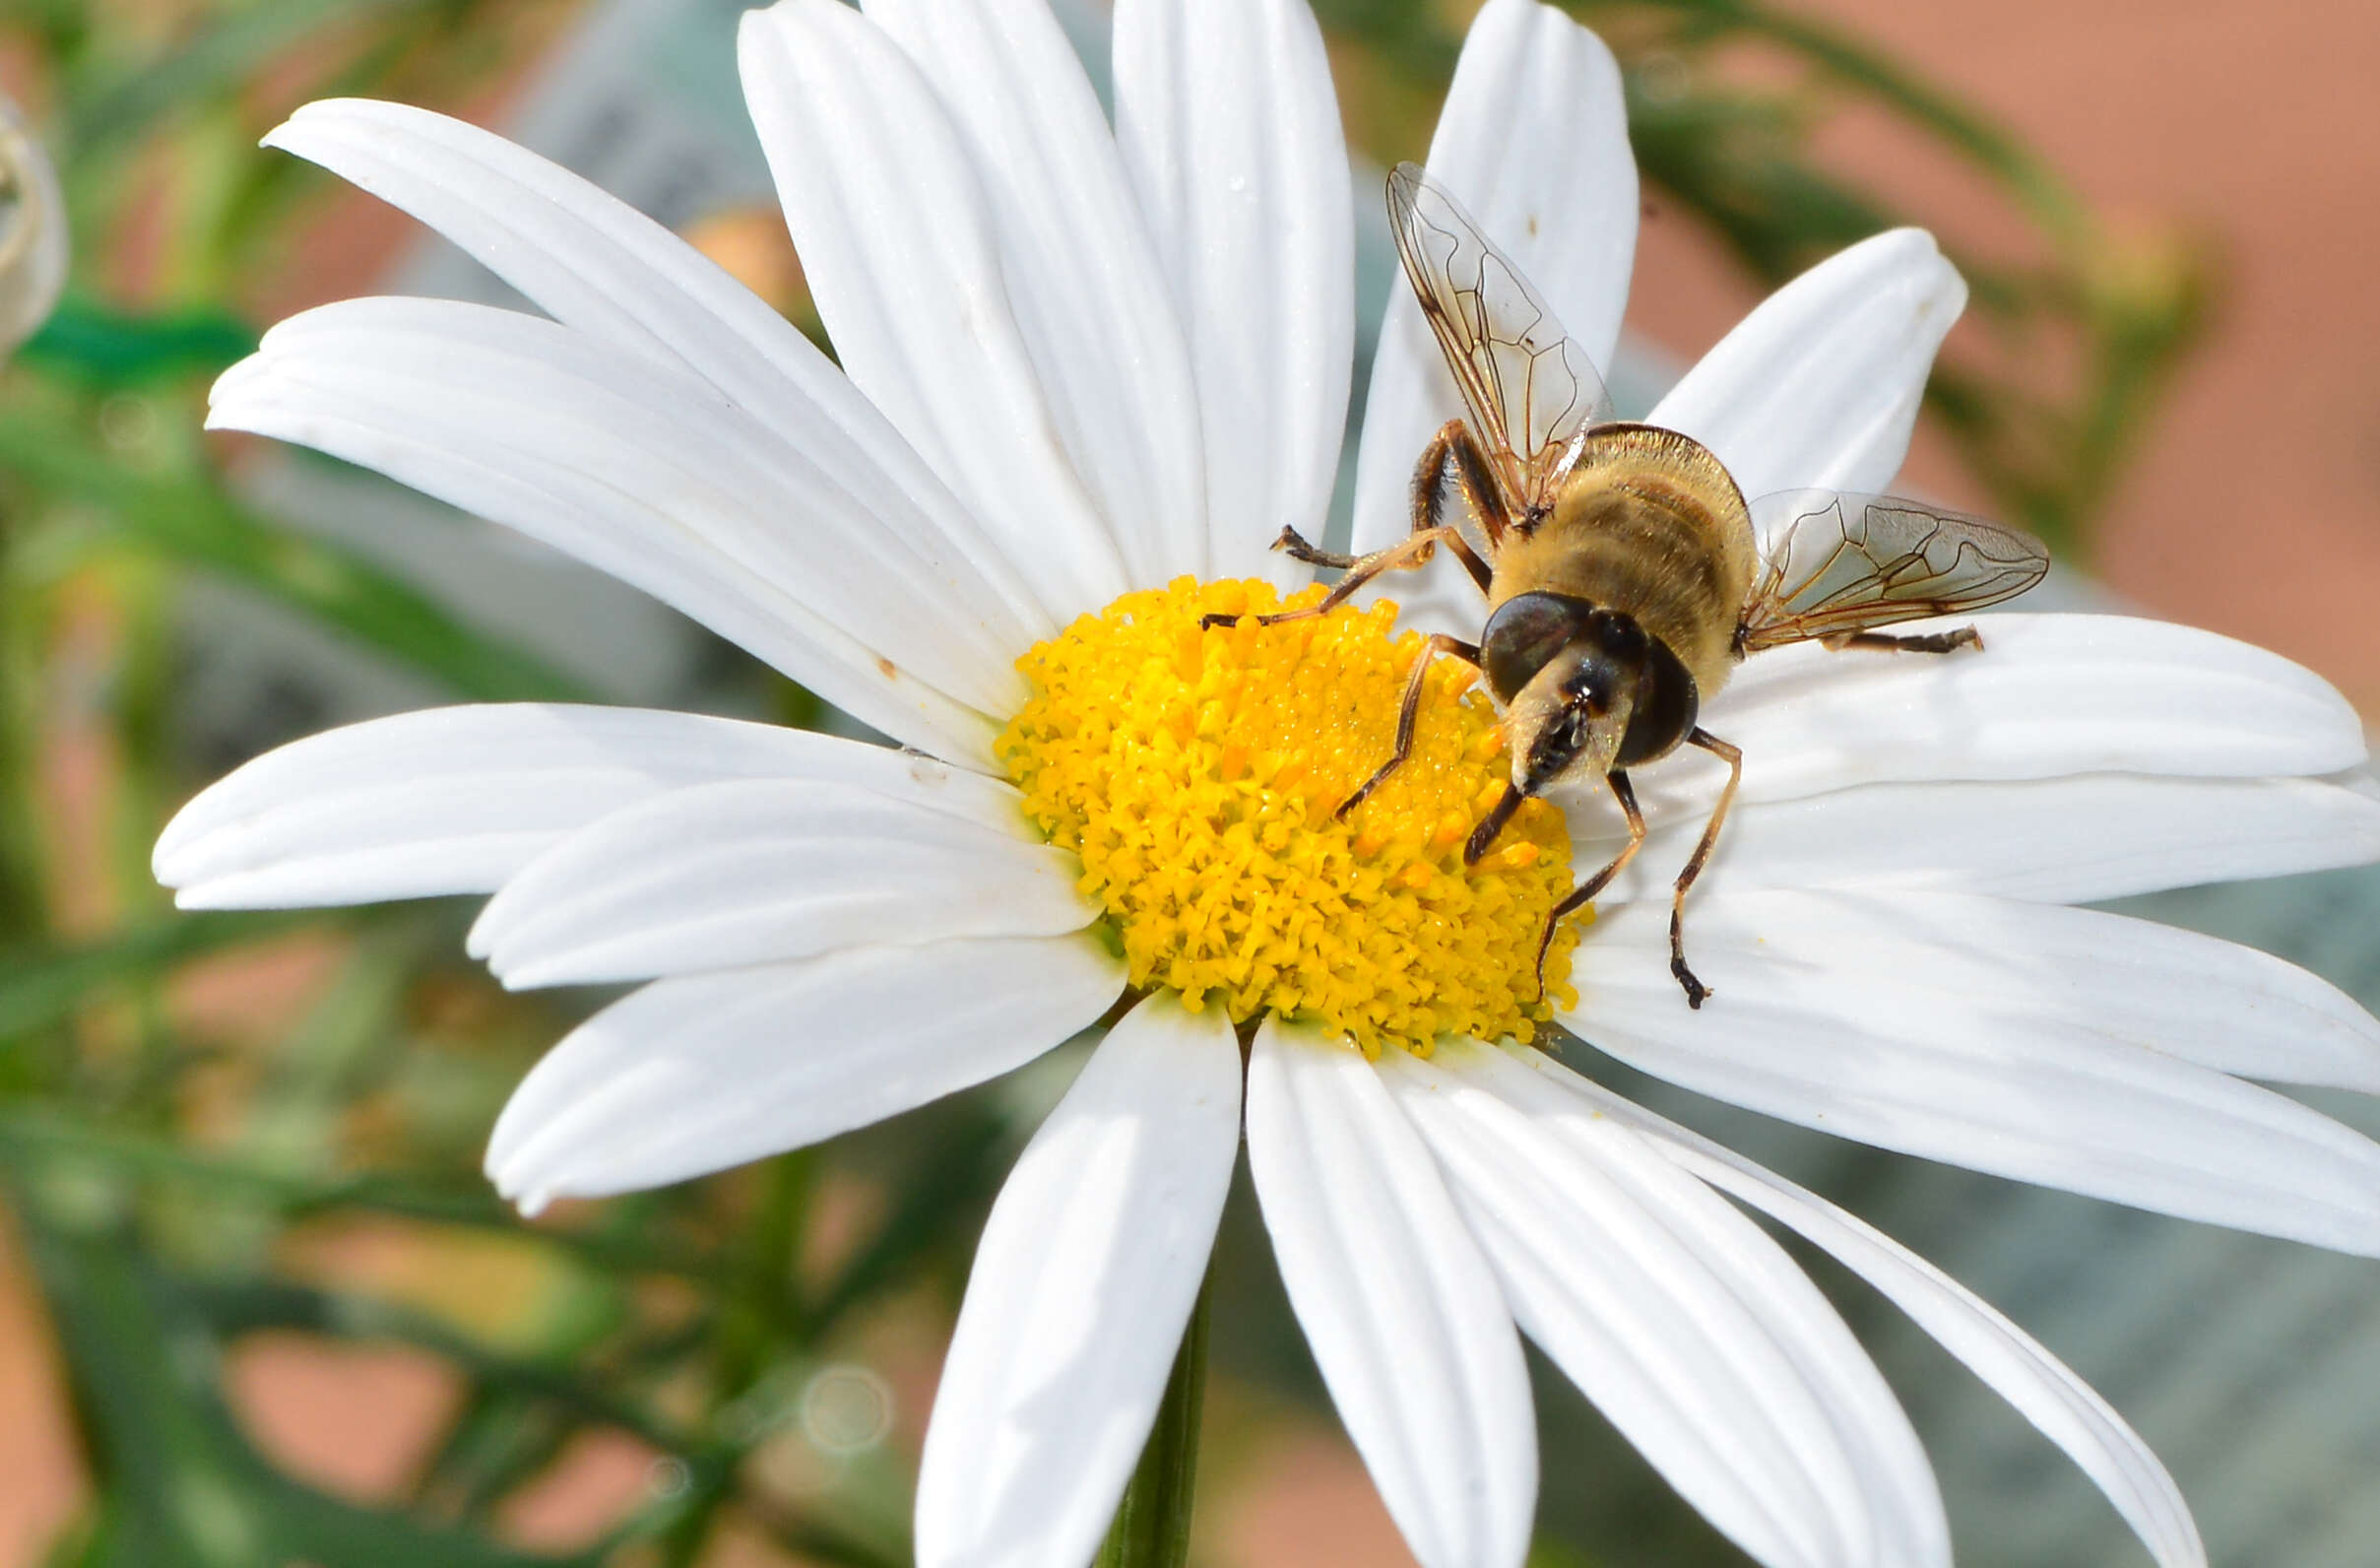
1918 642
1697 992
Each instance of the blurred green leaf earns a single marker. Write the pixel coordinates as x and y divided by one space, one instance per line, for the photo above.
334 1056
498 1440
105 347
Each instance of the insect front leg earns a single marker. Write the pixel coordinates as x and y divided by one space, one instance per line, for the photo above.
1453 452
1295 546
1407 552
1625 793
1733 756
1440 642
1918 642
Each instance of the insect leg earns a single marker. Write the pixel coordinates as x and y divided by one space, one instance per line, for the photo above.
1493 823
1407 552
1625 793
1294 544
1453 447
1297 547
1921 642
1733 756
1440 642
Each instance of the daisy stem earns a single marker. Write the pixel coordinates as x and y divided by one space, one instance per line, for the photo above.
1152 1527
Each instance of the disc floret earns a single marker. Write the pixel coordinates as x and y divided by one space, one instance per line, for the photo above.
1197 772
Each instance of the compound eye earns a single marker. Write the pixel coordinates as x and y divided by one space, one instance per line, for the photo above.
1527 630
1618 636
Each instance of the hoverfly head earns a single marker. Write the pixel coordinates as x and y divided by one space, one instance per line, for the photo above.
1571 676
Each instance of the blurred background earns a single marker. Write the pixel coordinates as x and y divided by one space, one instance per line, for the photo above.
257 1306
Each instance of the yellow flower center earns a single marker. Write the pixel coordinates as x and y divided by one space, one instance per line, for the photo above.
1196 772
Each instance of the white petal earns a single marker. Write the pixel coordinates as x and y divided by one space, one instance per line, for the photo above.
1085 1276
2128 982
761 871
696 1074
456 800
1082 275
595 263
1412 1338
1680 1319
2059 840
1900 1020
2042 1387
1230 130
1818 388
716 473
901 249
639 472
2050 695
1534 142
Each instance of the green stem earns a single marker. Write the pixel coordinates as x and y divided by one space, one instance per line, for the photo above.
1152 1527
24 912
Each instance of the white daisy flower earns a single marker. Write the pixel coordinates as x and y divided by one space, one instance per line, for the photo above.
1086 377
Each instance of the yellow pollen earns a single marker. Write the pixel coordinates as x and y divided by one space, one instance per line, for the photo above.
1196 773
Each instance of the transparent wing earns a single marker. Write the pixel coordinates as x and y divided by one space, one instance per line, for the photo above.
1528 389
1833 563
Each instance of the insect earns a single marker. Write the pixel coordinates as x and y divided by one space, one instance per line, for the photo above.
1623 576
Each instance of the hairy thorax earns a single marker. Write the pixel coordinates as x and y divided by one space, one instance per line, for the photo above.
1649 523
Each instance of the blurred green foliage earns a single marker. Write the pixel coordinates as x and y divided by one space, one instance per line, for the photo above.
172 1184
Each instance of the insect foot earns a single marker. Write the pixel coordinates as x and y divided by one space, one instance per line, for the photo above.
1696 993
